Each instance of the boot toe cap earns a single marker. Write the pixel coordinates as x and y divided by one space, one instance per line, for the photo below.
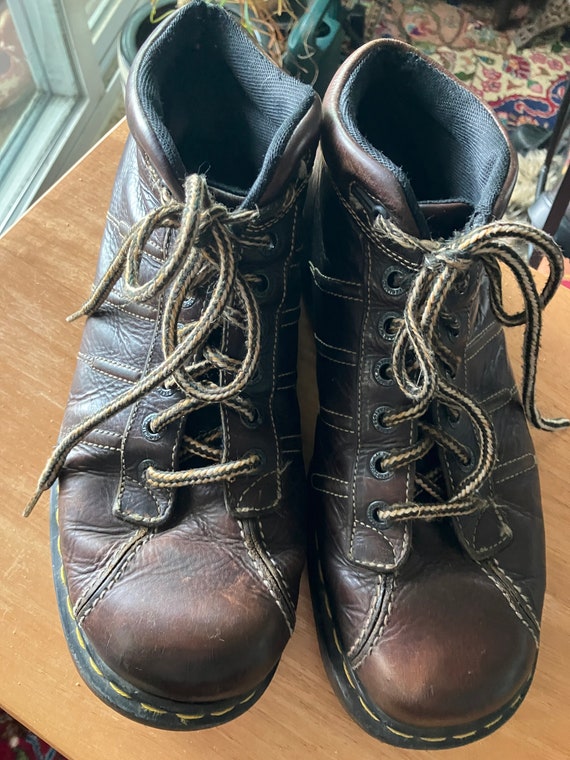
194 639
450 665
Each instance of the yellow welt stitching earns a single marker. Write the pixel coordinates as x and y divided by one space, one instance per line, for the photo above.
150 708
347 674
516 701
321 576
336 641
80 638
399 733
69 607
190 717
432 739
464 736
327 606
118 690
363 703
94 666
493 722
222 712
248 698
59 544
62 574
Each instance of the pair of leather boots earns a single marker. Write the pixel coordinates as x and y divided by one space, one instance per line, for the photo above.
179 499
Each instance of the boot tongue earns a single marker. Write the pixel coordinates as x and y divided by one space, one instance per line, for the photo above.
444 218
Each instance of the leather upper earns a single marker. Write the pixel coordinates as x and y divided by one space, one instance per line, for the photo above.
190 593
438 619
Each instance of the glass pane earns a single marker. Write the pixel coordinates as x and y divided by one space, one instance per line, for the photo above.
91 6
17 87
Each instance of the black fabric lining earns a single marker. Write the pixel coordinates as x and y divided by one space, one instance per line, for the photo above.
214 101
440 142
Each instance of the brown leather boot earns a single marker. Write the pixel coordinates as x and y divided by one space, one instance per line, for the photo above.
427 569
178 522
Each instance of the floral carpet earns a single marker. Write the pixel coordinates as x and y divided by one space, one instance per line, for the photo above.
522 86
16 743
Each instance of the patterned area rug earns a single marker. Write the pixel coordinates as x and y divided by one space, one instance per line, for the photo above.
523 86
17 743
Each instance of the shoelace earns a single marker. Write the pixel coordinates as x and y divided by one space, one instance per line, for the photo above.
418 354
203 254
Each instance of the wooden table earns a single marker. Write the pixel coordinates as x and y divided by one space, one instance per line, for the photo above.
47 262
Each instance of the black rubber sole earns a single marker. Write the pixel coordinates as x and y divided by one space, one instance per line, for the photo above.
356 702
121 695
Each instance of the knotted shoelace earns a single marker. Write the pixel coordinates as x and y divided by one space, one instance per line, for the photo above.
203 256
418 354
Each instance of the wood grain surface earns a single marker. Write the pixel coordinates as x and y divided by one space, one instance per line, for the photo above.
47 263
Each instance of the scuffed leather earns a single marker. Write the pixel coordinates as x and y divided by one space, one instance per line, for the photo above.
439 620
188 594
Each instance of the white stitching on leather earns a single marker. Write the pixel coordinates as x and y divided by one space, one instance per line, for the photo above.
327 277
89 363
127 560
87 442
514 475
365 626
263 578
285 589
496 334
335 348
91 357
329 477
509 600
338 414
335 427
129 312
526 601
382 626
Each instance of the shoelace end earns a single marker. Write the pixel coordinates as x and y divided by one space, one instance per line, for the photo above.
76 315
32 503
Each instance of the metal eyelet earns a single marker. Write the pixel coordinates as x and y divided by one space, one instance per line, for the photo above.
254 423
147 430
143 467
187 303
394 281
379 210
260 454
386 325
378 416
373 508
262 285
272 244
382 372
374 460
166 392
370 205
